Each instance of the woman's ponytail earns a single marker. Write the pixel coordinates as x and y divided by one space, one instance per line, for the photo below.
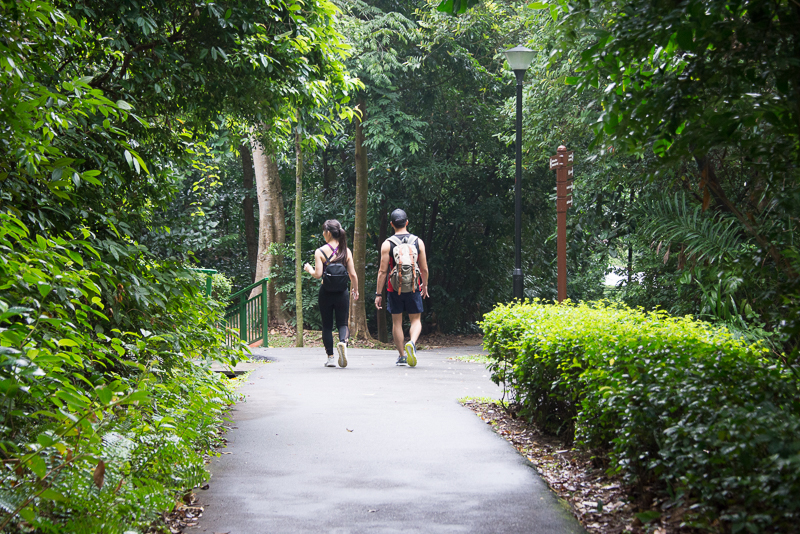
337 232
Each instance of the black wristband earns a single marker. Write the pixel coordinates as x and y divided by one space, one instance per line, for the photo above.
378 294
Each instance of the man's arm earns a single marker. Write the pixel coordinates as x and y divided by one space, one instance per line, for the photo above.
422 262
383 271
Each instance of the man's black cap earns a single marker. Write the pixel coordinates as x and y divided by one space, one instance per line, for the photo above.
398 217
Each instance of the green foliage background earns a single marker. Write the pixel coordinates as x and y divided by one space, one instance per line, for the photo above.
110 112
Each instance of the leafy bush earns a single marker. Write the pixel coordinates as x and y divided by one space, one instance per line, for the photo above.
221 285
102 426
674 402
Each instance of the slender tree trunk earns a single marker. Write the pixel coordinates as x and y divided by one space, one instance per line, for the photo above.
383 332
358 313
271 229
630 243
298 239
327 170
248 209
429 234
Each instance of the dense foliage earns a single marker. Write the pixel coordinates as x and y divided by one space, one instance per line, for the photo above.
672 401
705 92
107 110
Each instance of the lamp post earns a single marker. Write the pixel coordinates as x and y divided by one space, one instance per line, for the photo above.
519 59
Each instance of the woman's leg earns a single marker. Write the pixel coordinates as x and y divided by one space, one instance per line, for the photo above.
326 311
342 307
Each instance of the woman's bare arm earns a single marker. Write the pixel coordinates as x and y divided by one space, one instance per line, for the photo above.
351 270
316 272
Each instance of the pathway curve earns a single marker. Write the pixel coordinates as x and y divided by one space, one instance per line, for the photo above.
372 448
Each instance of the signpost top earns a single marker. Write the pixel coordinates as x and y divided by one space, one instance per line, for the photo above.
561 159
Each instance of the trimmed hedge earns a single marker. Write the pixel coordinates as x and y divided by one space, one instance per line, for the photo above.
674 402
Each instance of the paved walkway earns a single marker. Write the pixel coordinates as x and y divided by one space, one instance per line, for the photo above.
372 448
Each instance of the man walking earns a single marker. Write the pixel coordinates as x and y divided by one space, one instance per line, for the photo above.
403 260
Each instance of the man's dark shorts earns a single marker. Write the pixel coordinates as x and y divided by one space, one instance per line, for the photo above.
407 302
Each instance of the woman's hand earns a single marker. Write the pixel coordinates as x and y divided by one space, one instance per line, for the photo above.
307 268
354 291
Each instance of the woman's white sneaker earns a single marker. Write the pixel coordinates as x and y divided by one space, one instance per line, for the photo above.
342 348
331 362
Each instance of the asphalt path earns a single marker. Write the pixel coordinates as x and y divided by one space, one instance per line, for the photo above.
372 448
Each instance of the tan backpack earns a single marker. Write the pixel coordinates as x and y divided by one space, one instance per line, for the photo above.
405 273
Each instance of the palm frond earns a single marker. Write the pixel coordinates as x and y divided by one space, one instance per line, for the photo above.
703 236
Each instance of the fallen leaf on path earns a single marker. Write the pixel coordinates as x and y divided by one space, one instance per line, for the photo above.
226 453
372 510
348 429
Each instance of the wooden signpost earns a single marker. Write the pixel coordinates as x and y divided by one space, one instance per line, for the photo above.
562 163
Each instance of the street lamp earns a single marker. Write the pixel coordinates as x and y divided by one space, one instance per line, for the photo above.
519 59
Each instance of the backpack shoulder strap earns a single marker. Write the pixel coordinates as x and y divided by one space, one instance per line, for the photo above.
394 239
327 258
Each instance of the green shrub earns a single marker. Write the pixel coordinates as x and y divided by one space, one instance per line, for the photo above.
221 285
104 421
672 401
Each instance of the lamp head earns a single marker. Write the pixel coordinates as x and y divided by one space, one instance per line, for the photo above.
519 57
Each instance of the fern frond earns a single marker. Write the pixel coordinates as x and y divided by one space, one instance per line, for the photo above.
704 236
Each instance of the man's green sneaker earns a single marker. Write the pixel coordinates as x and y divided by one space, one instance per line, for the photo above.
411 354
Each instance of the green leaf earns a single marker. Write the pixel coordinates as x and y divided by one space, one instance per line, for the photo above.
685 38
136 396
37 465
52 495
44 289
45 440
67 343
104 395
649 516
74 256
121 104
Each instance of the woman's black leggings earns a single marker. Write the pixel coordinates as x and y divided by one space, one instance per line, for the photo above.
328 303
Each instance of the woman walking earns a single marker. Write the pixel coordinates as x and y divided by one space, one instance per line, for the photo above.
334 264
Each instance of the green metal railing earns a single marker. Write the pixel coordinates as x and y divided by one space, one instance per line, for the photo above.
208 273
246 318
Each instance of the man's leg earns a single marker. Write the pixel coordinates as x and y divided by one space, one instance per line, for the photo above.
397 331
416 326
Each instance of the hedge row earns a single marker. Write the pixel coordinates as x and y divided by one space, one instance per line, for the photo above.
673 402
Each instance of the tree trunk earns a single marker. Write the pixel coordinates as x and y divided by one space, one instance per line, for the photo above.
271 229
327 171
429 234
248 209
358 313
298 239
630 243
383 332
